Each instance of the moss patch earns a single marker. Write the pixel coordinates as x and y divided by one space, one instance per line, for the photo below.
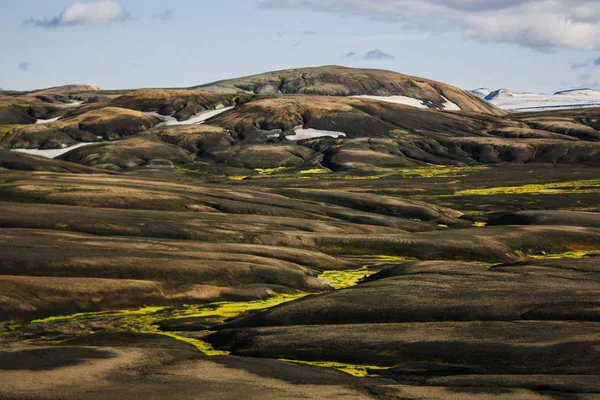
581 186
555 256
352 369
6 129
345 279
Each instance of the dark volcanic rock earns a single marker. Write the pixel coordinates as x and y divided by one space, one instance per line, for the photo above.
443 291
129 152
13 160
181 104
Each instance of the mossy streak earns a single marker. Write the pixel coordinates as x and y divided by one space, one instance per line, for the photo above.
581 186
555 256
352 369
221 311
138 311
344 279
269 171
146 320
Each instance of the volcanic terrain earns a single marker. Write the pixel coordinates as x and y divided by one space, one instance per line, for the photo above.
311 233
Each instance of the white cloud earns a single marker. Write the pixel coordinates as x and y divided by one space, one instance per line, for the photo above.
80 13
539 24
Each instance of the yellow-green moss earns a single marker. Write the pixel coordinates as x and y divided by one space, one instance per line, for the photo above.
352 369
269 171
480 224
138 311
344 279
237 177
6 129
581 186
221 311
315 171
553 256
439 171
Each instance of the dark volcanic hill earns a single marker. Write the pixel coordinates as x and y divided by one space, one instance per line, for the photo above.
335 80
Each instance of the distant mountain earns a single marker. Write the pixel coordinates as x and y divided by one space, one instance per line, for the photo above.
579 92
481 92
521 102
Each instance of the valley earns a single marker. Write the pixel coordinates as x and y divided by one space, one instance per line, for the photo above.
297 234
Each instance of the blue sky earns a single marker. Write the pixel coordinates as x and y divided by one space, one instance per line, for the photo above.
179 43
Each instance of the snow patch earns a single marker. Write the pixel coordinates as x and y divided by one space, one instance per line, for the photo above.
51 153
407 101
410 101
195 120
46 121
450 106
300 133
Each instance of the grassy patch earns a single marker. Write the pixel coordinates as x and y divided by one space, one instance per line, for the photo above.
439 171
6 129
352 369
315 171
555 256
344 279
581 186
269 171
237 177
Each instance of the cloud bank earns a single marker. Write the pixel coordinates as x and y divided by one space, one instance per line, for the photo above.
538 24
80 13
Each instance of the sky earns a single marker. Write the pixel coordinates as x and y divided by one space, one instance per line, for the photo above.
523 45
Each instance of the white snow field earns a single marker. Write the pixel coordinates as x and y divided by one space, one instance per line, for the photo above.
196 119
409 101
51 153
300 133
521 102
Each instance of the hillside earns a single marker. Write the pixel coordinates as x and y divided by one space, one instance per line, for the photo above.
344 81
313 233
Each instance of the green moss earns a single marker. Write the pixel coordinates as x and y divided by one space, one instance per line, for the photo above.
20 105
344 279
219 312
237 177
6 129
439 171
352 369
391 258
581 186
269 171
480 224
315 171
138 311
146 319
554 256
